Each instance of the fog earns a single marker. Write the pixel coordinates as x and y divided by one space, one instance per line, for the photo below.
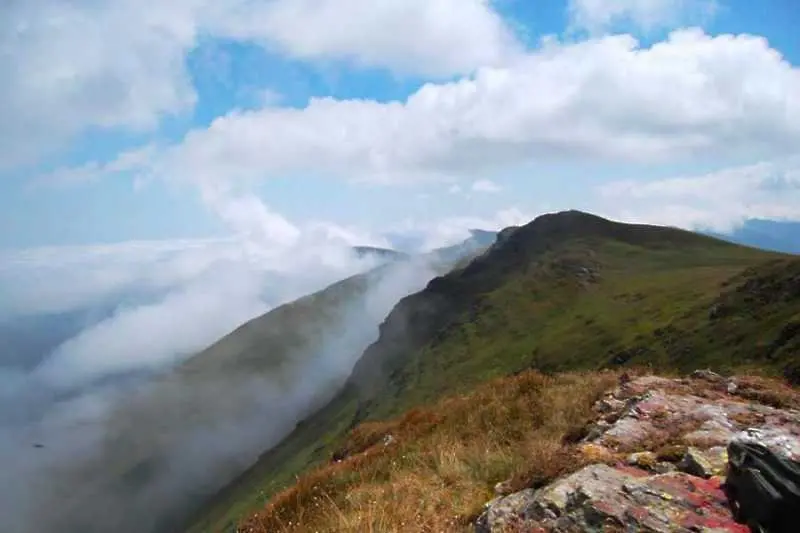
104 434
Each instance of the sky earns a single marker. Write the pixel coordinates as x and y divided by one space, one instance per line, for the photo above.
168 173
201 119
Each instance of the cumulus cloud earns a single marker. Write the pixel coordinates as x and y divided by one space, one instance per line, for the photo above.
720 200
602 15
428 37
111 64
607 99
88 64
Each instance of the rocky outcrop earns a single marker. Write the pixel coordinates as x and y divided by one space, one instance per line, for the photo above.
658 458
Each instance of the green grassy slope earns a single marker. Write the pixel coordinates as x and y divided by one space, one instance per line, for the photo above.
567 291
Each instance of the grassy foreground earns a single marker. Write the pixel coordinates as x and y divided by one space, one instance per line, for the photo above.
433 468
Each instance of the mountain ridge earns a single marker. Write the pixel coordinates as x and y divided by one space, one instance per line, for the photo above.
567 291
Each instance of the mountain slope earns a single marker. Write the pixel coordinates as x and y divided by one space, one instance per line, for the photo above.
178 439
165 446
567 291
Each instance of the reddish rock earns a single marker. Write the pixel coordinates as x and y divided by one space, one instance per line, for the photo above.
651 414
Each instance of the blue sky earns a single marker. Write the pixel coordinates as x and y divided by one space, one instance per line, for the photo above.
382 116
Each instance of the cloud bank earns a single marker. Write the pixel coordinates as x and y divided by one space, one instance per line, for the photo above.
607 99
721 200
112 65
130 443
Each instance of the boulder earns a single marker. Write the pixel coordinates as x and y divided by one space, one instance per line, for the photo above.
704 463
599 496
658 450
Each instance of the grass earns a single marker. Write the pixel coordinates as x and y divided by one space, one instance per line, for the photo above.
566 293
433 468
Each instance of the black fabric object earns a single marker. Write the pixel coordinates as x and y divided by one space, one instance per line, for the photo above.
763 488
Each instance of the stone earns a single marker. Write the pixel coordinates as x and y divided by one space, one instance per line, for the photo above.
645 460
610 405
784 441
600 495
504 511
503 488
664 468
645 491
704 463
707 375
595 452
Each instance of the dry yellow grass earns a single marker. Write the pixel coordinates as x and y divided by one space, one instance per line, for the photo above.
434 468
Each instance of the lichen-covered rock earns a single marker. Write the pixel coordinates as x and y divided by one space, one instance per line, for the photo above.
504 511
705 463
643 459
601 495
660 451
784 441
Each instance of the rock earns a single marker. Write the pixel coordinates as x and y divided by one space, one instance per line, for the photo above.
503 488
662 421
664 468
784 441
629 498
645 460
707 375
596 453
705 464
610 405
505 511
597 429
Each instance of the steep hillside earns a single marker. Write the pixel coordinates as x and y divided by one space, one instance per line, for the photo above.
162 449
567 291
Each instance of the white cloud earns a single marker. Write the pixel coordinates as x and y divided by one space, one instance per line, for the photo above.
606 99
85 64
73 65
426 235
152 336
184 295
647 15
429 37
487 186
719 200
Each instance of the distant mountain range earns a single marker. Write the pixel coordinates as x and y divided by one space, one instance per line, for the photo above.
771 235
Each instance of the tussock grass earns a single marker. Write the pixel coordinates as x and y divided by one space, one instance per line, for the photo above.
434 468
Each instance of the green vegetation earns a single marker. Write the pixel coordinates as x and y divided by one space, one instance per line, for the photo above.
568 291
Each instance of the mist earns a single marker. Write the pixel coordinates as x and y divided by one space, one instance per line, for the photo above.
107 432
